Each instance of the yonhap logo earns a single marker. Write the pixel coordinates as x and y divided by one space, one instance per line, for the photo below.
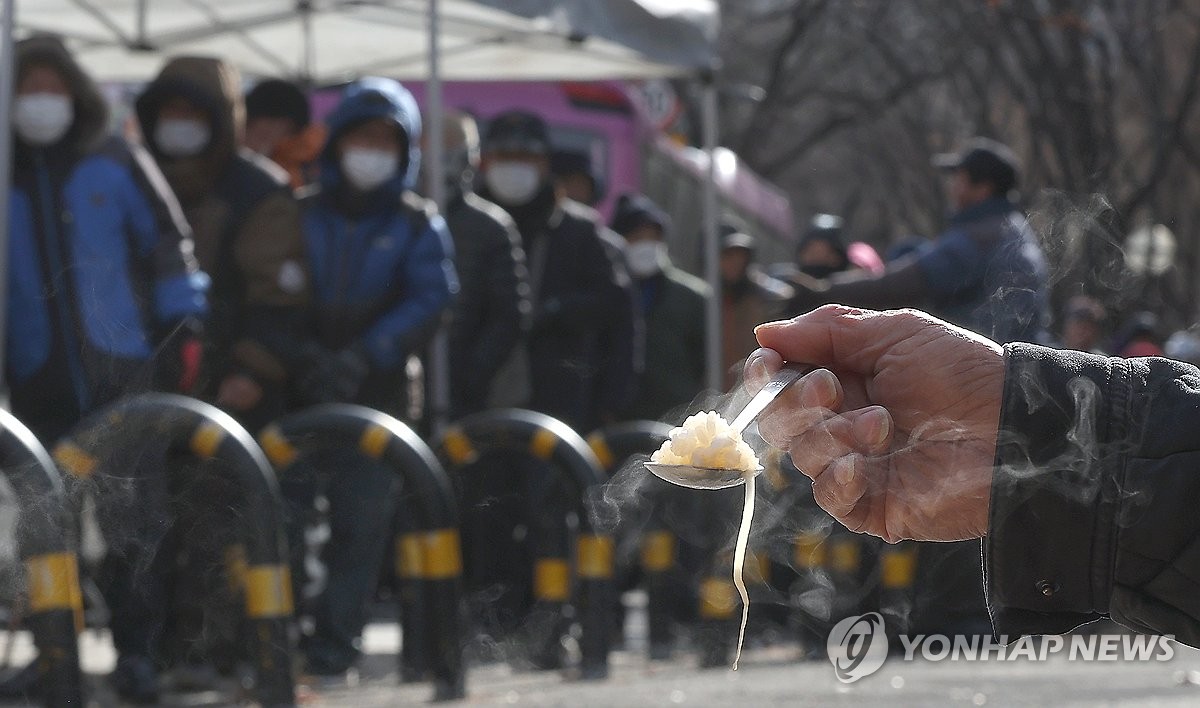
857 646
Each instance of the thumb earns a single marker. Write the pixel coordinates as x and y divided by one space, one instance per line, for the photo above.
839 337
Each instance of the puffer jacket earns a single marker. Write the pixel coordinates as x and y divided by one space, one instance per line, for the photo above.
246 225
492 309
382 263
99 259
581 354
1094 494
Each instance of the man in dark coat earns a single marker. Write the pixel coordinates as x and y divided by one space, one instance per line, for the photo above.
492 308
673 305
581 343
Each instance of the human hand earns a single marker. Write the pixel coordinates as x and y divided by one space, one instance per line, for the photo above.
900 440
239 392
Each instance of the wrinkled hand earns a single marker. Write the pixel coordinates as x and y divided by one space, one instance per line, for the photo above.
899 440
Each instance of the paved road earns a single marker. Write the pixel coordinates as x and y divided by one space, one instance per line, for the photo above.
769 676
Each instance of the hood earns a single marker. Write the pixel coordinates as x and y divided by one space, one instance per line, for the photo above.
216 87
368 99
91 110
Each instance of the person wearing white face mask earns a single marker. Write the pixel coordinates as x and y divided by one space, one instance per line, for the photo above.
672 302
246 226
105 299
383 277
581 349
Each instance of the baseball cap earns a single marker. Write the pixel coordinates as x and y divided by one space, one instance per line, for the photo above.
984 160
517 131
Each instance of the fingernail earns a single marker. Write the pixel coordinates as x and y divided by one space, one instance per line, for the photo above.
756 369
770 325
821 388
844 472
873 426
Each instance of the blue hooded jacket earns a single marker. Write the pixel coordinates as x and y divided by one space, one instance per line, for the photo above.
381 263
100 262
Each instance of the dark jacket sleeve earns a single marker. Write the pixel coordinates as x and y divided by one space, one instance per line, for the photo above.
622 336
507 297
901 285
1094 493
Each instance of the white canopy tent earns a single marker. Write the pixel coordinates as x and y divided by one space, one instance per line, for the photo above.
330 41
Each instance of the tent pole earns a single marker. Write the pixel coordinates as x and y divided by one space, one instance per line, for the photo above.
6 100
434 146
714 364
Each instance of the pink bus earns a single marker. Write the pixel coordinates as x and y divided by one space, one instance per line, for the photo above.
607 120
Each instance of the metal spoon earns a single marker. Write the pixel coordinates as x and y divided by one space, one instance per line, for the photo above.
718 478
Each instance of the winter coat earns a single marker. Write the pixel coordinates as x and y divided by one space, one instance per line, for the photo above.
675 343
100 264
579 370
246 226
492 307
1094 494
987 273
381 263
757 299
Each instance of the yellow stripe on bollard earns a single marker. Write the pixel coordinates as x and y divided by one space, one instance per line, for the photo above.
773 462
409 562
279 449
551 579
442 554
207 439
374 441
658 551
268 591
595 557
543 443
53 580
899 566
235 567
717 598
458 447
429 555
809 551
74 460
601 450
846 555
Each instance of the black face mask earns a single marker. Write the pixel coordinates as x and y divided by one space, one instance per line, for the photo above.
819 271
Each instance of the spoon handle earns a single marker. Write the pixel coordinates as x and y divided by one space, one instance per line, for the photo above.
779 382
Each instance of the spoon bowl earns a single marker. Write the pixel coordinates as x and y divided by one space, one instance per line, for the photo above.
718 478
701 477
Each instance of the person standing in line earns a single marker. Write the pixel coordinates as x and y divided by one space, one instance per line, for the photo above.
105 300
383 276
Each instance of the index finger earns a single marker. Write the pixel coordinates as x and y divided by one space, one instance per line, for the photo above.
838 337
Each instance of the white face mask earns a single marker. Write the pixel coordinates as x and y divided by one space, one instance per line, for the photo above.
513 183
43 118
177 137
646 258
366 168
